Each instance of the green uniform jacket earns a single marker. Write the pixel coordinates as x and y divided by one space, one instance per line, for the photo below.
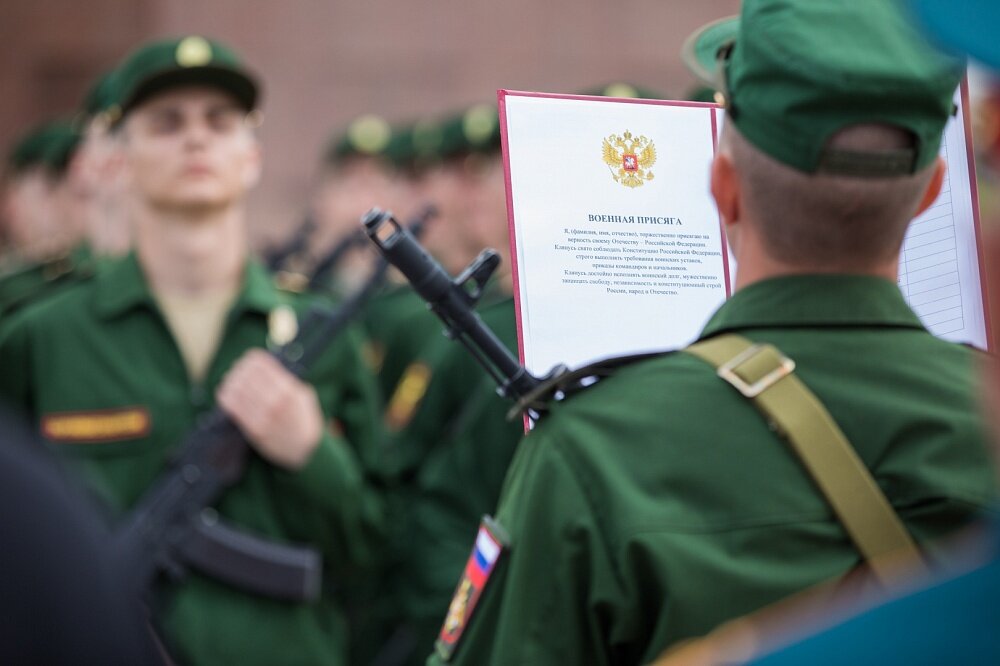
427 415
458 481
399 327
443 470
97 368
657 504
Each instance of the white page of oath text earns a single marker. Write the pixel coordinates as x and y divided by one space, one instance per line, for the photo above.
616 240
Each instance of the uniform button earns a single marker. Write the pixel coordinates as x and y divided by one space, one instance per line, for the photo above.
199 396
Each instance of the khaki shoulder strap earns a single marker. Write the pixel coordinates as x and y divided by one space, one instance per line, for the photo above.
765 376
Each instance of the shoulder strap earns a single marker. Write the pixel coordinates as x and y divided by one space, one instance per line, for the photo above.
765 376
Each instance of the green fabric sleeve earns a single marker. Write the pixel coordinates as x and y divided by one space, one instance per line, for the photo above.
349 520
331 478
547 601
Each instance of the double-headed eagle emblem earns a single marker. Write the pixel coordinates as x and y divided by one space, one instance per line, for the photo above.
629 158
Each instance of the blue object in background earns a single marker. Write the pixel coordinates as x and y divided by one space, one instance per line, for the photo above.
955 621
967 26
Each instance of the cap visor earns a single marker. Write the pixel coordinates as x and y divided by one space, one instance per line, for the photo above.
700 51
234 82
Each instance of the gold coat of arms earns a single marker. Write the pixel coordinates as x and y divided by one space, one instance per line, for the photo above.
629 158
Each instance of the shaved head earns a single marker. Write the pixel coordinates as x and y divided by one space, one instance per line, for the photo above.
818 220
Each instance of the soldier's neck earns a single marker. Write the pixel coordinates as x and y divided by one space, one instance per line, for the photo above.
109 230
187 254
754 264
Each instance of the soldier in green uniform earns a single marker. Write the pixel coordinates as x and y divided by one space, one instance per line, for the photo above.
116 370
436 155
658 503
458 477
365 166
460 441
467 184
355 175
79 212
352 175
954 619
43 218
450 442
31 227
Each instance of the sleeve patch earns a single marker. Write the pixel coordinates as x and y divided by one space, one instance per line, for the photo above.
490 545
407 397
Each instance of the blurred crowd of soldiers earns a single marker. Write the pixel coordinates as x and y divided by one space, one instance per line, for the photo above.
131 304
444 442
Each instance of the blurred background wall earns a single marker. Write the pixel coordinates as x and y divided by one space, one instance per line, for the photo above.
324 62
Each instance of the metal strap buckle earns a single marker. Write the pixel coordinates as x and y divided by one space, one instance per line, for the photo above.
728 371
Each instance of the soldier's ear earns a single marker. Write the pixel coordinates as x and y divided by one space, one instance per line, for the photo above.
933 187
725 186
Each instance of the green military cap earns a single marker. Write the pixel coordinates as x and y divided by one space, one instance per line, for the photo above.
623 89
28 150
50 146
367 135
103 99
474 131
414 146
793 73
426 140
399 151
62 145
190 60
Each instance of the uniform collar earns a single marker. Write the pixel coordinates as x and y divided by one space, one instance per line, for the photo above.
814 300
122 287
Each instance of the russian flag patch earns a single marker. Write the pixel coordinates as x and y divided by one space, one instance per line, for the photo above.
490 544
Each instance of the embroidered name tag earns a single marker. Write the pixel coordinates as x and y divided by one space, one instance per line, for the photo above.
490 544
108 425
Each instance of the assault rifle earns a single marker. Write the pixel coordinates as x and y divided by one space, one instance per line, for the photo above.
173 526
453 300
